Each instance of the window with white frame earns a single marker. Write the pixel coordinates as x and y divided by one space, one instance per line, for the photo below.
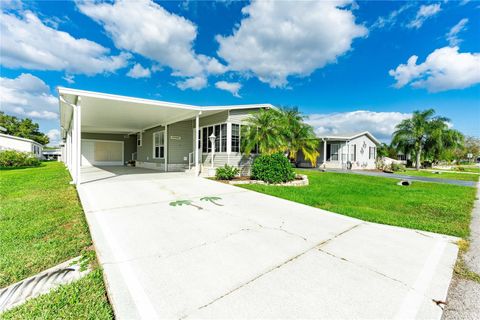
158 145
139 139
220 132
235 138
371 153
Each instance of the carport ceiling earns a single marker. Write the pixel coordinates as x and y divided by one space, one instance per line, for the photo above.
105 113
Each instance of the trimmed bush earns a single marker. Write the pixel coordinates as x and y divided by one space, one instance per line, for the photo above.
398 167
16 159
226 172
275 168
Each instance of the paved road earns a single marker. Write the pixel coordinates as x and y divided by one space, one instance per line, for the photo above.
464 295
249 255
407 177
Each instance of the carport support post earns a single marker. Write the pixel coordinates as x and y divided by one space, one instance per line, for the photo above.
76 143
78 127
197 128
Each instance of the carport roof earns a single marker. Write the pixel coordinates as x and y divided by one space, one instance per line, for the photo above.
109 113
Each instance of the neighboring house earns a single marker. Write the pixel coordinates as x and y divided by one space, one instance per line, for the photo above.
346 151
52 154
8 142
102 130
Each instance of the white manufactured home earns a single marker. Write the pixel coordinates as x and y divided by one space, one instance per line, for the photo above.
110 130
8 142
357 151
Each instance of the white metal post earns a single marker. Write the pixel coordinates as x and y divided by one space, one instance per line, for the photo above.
79 143
74 146
197 128
165 147
67 150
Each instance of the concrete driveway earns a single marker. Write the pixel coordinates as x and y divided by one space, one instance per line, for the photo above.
250 255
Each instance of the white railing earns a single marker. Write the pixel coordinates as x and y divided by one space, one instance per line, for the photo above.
191 159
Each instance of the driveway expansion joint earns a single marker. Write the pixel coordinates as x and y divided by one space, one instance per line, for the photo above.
317 245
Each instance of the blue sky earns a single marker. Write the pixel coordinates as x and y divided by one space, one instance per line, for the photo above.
350 66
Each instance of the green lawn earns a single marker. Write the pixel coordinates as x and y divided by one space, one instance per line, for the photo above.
426 206
42 224
468 168
83 299
443 175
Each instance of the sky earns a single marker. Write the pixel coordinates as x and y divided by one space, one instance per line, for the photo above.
348 65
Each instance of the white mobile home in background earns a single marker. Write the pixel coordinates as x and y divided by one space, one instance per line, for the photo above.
8 142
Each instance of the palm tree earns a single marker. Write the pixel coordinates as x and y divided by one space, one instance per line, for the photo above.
280 130
424 133
262 130
299 136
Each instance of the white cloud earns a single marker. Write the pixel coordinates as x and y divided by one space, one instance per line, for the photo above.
146 28
28 43
138 71
54 136
69 78
278 39
27 96
392 18
195 83
444 69
232 87
380 124
452 35
425 12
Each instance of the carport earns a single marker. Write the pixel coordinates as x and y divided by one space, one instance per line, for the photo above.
86 112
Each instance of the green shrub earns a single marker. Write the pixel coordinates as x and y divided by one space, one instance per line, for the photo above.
273 168
398 167
226 172
16 159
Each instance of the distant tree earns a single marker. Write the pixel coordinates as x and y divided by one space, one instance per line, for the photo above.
24 128
385 150
425 135
471 145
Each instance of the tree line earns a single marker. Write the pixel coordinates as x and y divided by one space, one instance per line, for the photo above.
23 128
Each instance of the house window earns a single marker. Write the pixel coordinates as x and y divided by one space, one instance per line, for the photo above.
371 153
334 147
220 132
158 145
223 129
353 156
139 139
235 138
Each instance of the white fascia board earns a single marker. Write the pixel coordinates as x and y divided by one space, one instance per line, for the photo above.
107 96
100 95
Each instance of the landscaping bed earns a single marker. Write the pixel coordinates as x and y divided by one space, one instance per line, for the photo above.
42 224
299 181
440 208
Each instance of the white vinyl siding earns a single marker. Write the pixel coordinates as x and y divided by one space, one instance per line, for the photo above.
159 145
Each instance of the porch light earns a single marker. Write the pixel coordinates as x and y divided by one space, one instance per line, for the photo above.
212 141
